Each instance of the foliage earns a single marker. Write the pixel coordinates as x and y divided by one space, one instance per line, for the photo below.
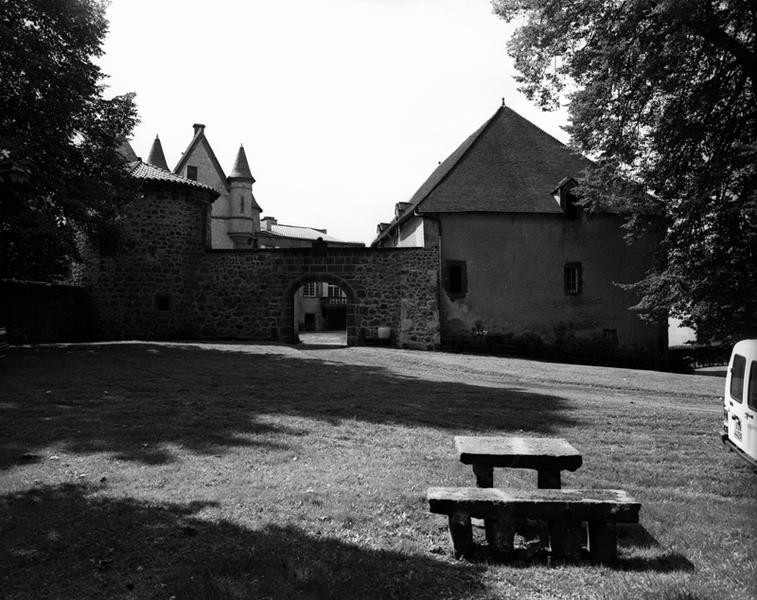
662 94
60 170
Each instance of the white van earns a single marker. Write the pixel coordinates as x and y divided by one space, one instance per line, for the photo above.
740 402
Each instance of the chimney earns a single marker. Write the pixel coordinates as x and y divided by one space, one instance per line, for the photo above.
269 221
400 207
199 128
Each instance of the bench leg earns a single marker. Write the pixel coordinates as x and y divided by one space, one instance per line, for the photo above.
565 538
484 475
500 532
461 533
549 480
603 541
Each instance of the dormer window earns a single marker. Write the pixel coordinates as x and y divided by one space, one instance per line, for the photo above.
566 198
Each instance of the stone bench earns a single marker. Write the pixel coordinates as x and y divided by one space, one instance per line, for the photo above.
563 509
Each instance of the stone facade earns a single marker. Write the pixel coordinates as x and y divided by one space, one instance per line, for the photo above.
166 282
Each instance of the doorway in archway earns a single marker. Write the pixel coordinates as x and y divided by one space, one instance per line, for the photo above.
320 312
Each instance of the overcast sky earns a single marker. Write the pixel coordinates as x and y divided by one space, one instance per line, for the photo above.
344 107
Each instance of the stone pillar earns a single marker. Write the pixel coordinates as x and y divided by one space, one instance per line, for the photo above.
603 541
461 532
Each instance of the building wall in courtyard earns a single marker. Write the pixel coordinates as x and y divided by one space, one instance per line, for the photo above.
515 277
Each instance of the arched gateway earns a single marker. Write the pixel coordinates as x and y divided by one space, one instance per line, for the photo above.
290 297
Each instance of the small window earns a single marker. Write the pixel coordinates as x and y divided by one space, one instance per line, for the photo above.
737 378
751 398
456 279
162 302
610 337
309 289
572 279
192 173
336 295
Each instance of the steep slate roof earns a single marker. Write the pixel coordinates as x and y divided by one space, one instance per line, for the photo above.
507 165
127 152
241 170
199 138
156 156
147 172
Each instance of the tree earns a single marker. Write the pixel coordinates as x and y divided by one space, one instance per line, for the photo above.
662 94
60 171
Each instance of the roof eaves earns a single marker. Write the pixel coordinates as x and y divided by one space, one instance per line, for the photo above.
148 172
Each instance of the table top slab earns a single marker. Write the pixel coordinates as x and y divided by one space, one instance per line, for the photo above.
521 452
613 505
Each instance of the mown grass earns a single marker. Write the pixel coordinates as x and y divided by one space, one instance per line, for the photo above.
159 471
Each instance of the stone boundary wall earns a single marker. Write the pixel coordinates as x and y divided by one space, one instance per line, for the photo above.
165 283
249 294
35 312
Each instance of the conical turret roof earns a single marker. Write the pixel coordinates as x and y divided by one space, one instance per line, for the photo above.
156 158
241 170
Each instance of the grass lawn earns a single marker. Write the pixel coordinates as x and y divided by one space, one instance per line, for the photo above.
201 471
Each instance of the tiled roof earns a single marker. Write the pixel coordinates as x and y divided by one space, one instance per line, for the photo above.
147 172
300 233
507 165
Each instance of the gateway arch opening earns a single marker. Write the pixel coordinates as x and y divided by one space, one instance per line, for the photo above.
320 312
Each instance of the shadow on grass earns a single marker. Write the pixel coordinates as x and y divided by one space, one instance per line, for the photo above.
638 550
133 399
73 541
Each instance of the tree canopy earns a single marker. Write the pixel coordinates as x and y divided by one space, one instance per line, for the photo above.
61 174
662 94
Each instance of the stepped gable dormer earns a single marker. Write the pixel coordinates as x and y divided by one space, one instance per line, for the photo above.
199 162
156 158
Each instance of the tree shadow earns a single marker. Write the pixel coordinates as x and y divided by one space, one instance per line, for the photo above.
131 400
74 541
638 550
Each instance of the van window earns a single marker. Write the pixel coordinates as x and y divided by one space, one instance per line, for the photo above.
752 391
737 377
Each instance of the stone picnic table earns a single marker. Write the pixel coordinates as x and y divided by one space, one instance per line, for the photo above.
547 456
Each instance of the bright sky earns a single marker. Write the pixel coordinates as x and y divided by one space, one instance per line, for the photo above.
344 107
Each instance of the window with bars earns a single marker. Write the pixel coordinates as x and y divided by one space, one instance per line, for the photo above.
310 289
335 293
573 278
